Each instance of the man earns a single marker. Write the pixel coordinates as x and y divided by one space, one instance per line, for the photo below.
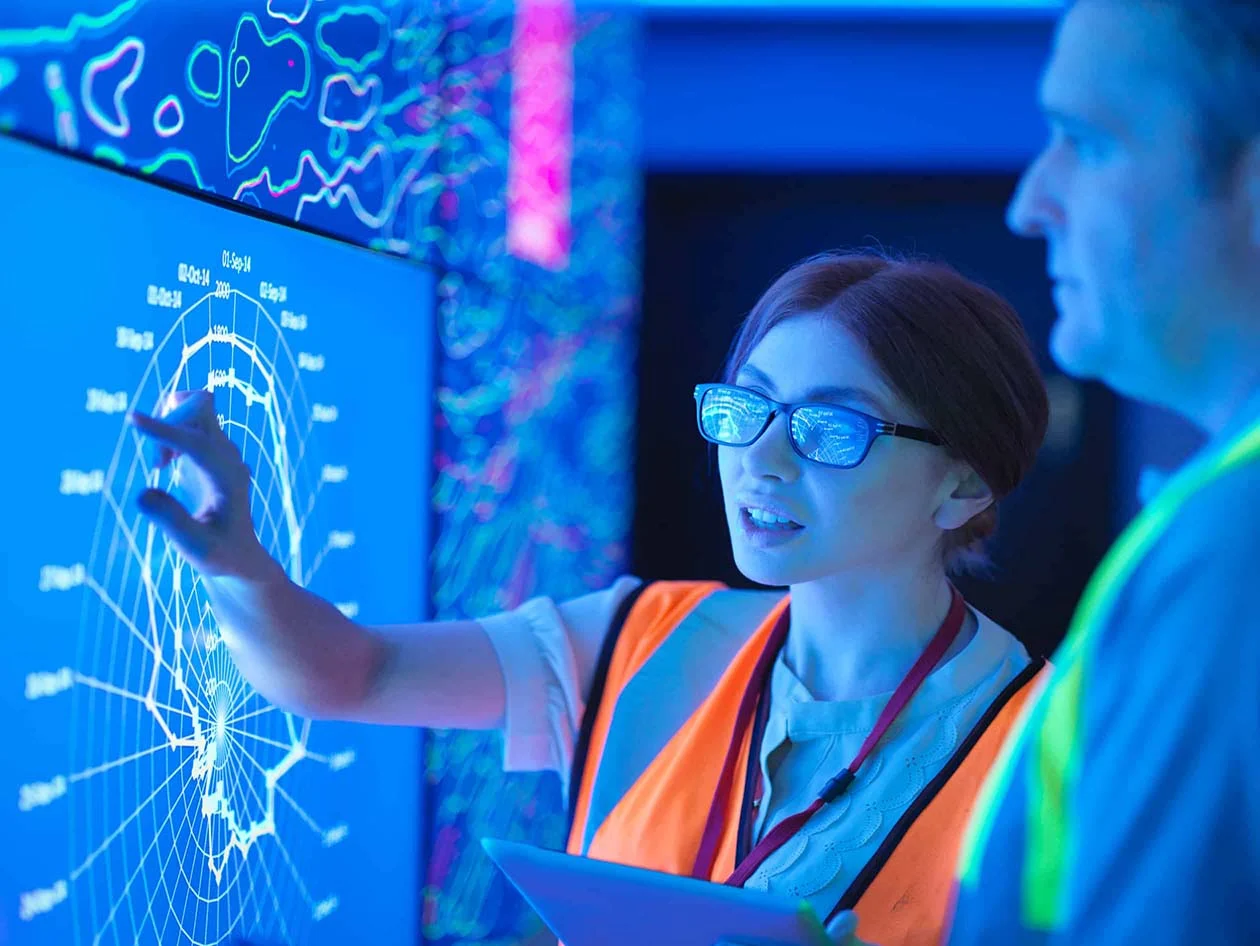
1129 809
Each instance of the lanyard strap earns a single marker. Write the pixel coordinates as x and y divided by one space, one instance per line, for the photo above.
758 686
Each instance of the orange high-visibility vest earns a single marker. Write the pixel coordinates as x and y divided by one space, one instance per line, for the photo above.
656 731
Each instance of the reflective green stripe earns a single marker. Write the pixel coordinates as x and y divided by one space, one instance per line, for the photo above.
1050 819
1055 764
1051 725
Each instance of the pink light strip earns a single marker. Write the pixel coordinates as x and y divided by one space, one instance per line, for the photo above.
540 138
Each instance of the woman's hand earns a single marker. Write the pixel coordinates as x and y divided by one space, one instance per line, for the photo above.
217 538
843 930
297 649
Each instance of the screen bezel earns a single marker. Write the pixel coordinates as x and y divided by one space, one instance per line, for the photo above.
216 199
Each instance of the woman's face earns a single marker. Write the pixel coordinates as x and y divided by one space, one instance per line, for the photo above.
877 514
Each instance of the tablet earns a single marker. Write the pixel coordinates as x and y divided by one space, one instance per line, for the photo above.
596 903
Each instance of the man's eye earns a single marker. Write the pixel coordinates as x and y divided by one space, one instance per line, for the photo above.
1084 146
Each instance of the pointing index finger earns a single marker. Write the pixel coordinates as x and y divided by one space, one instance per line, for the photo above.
175 435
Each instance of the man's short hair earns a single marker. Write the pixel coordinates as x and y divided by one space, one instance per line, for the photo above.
1224 43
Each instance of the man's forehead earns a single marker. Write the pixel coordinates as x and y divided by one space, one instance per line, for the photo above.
1110 57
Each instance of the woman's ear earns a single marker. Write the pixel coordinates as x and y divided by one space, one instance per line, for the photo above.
969 497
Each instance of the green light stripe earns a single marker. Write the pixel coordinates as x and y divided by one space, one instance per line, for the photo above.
1049 819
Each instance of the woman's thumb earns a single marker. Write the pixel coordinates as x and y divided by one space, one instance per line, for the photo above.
843 929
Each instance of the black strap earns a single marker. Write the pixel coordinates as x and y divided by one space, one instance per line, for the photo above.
597 696
868 873
748 817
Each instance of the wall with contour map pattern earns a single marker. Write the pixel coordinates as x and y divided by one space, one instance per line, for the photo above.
389 124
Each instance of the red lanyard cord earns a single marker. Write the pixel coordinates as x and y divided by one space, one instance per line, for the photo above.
758 693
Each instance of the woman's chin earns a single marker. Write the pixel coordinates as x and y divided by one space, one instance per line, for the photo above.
762 568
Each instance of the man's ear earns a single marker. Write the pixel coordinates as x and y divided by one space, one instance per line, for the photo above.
969 497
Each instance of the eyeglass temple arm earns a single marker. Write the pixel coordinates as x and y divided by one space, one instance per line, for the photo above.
912 433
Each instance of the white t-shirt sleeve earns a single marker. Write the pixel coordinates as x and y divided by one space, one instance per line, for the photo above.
548 652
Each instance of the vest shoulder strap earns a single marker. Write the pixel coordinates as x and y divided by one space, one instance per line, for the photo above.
641 709
902 894
597 695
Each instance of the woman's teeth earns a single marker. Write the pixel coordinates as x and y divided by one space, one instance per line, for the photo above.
765 520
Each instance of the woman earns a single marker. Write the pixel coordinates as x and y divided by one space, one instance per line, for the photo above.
872 414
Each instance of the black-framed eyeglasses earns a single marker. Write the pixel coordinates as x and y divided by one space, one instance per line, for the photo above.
824 433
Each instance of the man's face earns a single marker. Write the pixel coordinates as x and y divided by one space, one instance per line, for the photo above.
1143 253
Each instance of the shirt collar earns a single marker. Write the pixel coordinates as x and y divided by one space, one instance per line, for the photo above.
795 714
1247 414
1152 480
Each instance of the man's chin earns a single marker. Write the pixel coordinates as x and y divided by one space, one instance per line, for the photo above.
1077 352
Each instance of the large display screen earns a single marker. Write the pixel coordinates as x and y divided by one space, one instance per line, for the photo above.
148 794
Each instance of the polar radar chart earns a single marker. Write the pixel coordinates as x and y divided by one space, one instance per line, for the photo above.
150 795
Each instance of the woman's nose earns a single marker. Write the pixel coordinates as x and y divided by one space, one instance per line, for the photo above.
771 455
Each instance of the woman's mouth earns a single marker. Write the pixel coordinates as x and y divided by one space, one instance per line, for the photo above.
765 529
